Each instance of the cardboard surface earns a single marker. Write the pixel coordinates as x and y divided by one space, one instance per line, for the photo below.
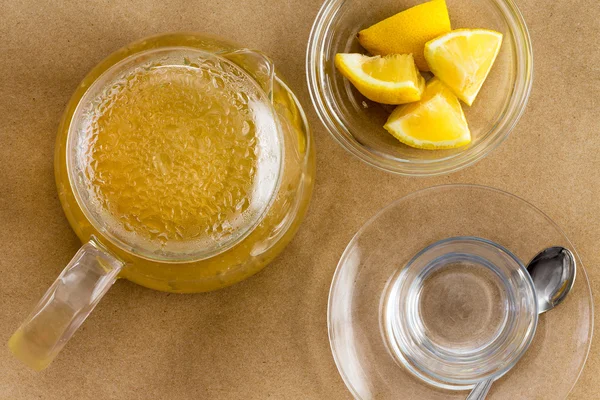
265 337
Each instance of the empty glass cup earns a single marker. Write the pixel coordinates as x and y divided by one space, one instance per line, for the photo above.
461 311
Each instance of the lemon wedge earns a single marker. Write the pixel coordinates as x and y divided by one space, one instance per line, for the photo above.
408 31
463 58
392 79
435 122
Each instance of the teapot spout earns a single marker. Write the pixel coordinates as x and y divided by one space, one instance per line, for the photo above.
259 66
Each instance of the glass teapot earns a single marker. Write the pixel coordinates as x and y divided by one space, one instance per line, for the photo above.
282 169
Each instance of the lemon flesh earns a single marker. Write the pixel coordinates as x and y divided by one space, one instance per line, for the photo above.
408 31
463 58
435 122
393 79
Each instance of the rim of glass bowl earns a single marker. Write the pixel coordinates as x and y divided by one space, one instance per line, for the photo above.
316 58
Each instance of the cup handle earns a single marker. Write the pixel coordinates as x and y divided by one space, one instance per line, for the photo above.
64 307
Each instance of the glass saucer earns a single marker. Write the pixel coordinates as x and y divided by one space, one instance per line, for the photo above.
395 237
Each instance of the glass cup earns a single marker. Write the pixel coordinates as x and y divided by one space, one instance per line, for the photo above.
356 123
463 310
279 198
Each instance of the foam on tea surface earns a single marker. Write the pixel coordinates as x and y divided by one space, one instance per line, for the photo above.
179 154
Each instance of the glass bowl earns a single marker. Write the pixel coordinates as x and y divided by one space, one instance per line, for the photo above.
388 279
357 123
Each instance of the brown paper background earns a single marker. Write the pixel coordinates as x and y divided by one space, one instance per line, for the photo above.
265 337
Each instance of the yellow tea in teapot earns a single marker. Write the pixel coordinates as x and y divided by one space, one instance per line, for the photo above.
181 156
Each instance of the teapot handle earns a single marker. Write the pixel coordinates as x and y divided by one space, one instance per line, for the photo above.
65 305
257 65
